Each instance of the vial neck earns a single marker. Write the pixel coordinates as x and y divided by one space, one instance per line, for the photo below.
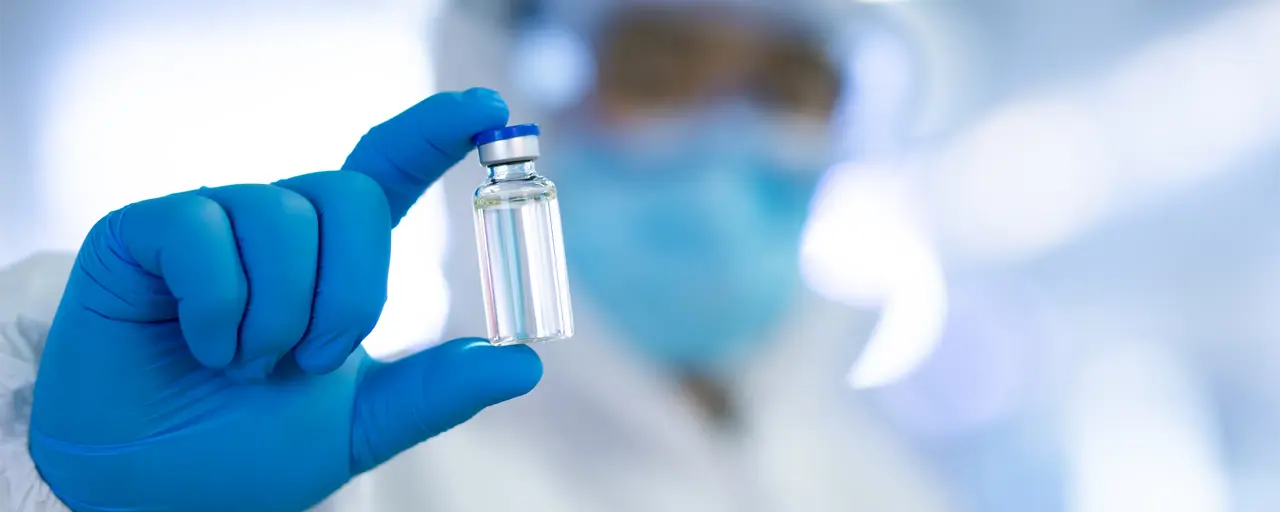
513 171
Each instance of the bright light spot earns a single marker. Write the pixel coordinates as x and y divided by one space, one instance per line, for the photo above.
1189 107
910 324
1140 437
554 65
1021 181
417 293
1041 171
140 111
862 247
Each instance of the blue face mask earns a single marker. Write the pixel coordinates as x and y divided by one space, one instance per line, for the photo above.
690 249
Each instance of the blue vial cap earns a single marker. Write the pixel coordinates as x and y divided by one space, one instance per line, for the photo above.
510 132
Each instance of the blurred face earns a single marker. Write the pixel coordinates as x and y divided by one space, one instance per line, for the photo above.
663 61
687 181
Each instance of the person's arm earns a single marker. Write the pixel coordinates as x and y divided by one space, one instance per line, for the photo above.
29 295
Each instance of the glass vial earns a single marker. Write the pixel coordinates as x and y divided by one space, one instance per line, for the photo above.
522 269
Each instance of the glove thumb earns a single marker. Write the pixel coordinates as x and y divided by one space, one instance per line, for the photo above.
401 404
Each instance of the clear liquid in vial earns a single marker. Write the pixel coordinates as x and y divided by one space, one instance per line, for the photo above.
525 284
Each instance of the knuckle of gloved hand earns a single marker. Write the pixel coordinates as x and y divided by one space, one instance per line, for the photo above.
289 204
192 212
108 231
358 187
257 203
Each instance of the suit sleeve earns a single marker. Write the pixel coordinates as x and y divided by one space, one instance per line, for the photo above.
29 295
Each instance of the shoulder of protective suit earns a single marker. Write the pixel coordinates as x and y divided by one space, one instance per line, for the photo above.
29 295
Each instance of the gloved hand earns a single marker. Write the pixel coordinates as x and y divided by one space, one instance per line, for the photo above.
205 354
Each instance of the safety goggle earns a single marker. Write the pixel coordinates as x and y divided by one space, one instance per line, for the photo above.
665 58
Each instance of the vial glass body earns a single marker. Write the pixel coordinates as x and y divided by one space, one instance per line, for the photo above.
522 267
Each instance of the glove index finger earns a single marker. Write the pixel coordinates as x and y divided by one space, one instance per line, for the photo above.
406 154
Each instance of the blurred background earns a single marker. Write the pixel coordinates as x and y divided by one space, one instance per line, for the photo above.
1061 212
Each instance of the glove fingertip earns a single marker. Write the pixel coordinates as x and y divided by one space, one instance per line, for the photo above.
482 93
402 403
515 369
471 111
324 354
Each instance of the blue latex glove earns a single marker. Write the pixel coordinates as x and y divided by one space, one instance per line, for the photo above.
205 354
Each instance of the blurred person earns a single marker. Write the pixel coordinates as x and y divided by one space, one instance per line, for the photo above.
703 377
